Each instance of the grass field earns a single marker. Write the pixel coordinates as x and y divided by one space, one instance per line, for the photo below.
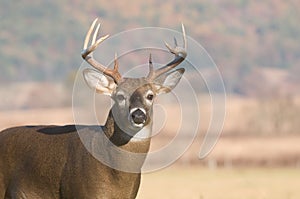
201 183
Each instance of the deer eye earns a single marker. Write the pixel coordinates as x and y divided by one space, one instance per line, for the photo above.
150 97
120 97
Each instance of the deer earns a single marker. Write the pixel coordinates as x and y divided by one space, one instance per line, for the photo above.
49 161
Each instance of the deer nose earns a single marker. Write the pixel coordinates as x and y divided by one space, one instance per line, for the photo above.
138 116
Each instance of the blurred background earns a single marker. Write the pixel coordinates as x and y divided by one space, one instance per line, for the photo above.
255 45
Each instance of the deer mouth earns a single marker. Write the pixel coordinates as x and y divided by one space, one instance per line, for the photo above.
138 117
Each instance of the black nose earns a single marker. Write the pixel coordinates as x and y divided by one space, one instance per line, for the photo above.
138 116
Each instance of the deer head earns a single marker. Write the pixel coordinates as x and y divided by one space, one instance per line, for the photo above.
133 97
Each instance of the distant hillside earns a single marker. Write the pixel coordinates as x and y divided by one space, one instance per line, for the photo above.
41 40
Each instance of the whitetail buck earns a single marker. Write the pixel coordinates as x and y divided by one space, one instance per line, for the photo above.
51 162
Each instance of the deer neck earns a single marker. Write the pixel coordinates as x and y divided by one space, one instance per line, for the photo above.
137 141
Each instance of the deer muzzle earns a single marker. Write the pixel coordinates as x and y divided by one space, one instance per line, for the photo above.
138 117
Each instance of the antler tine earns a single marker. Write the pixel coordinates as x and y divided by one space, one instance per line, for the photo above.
151 70
87 53
88 34
180 55
95 34
116 63
184 37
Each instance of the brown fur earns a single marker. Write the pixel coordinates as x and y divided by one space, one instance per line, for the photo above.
51 162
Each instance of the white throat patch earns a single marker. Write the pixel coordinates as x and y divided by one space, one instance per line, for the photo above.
143 134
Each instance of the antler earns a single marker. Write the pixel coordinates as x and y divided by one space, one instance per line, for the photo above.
87 53
180 55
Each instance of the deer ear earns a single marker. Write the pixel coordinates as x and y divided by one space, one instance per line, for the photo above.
166 82
101 83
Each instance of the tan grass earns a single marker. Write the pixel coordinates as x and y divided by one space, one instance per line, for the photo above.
200 183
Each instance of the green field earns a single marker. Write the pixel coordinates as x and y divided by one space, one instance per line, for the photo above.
202 183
